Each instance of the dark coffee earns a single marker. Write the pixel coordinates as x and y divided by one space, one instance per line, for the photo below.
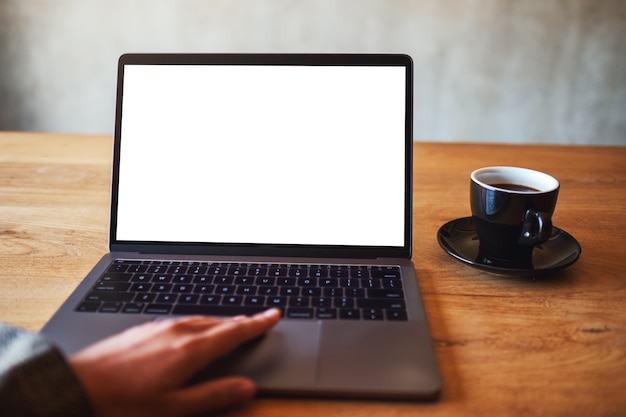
516 187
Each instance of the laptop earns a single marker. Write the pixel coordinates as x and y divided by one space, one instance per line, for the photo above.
247 181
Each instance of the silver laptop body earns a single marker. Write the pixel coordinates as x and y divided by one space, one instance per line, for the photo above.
296 168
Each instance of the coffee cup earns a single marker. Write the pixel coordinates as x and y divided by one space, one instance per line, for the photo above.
512 211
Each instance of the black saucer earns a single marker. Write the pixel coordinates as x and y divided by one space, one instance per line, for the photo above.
458 238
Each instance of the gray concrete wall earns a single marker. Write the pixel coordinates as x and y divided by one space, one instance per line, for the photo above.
537 71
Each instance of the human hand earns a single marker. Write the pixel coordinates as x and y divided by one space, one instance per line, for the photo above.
144 370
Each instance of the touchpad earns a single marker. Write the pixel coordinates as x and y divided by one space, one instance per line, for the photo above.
284 357
373 358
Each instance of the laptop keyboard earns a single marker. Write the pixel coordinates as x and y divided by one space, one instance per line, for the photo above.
332 292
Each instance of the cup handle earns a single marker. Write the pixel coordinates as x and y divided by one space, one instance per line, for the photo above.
536 227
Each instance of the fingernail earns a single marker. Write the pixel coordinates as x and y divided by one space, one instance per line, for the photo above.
271 312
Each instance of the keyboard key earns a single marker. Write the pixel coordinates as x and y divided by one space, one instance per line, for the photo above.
313 291
390 272
332 292
370 283
176 269
254 301
141 278
162 278
286 282
237 270
203 279
183 288
217 269
225 289
232 300
188 299
204 289
360 273
384 303
224 280
182 279
354 292
290 291
328 282
299 302
140 287
144 298
197 270
277 272
137 268
269 291
350 314
105 296
299 313
211 299
118 267
265 281
343 302
350 282
88 306
373 314
157 269
166 298
116 277
246 290
307 282
322 302
297 272
399 315
392 283
277 301
112 286
110 307
162 287
158 309
318 273
244 280
133 308
338 272
257 272
326 313
386 293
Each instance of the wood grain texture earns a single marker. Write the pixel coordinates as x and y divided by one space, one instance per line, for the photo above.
550 346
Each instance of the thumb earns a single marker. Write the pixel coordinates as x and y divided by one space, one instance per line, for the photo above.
212 396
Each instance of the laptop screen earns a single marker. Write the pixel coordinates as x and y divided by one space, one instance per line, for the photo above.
262 154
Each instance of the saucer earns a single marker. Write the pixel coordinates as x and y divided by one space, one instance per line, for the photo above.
459 239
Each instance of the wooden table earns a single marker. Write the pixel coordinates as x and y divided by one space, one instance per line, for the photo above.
552 346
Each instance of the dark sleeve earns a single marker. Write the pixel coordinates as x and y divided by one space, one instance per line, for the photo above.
35 378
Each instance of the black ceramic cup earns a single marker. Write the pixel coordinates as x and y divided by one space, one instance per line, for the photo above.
512 211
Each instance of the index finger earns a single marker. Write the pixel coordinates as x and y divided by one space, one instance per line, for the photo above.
227 335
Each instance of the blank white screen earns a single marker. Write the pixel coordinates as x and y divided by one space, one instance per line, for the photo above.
263 154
